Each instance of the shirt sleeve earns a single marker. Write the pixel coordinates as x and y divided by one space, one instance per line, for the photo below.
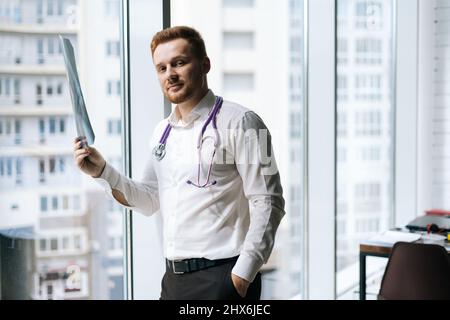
142 196
256 165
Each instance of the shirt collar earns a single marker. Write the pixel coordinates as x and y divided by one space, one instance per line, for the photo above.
202 108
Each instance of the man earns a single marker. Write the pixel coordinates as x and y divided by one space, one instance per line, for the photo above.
220 211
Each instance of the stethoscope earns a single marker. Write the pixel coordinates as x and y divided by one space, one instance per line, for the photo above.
160 150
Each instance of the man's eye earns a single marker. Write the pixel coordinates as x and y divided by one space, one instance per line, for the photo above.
180 63
162 69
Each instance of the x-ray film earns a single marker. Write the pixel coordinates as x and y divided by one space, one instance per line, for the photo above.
82 122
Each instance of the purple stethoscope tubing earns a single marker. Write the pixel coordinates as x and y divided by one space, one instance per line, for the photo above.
160 150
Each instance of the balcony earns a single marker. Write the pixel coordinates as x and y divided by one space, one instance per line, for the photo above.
34 111
39 29
51 70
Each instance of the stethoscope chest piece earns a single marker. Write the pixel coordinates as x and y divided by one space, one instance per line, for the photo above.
159 151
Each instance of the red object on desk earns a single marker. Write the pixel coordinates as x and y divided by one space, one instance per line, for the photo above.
437 212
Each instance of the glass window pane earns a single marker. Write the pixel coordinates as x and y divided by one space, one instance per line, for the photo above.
255 67
238 40
436 168
364 131
45 191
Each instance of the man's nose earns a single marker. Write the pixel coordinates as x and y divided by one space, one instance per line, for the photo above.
171 74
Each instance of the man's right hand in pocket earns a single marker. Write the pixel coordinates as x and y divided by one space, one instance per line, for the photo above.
88 159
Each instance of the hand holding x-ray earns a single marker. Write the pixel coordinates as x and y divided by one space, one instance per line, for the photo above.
83 125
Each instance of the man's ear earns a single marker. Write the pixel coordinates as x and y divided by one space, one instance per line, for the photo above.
206 65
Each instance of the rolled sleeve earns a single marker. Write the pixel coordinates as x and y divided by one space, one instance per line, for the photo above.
142 196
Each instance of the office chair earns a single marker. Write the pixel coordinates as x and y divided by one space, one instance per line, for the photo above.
416 271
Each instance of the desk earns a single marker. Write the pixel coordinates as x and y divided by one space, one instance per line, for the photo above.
367 248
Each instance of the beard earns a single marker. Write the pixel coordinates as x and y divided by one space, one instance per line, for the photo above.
180 95
187 90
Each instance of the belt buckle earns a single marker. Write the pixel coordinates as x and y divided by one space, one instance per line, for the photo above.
173 267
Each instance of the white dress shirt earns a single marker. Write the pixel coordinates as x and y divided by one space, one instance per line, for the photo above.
238 215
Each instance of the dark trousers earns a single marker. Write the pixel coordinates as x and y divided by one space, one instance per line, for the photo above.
213 283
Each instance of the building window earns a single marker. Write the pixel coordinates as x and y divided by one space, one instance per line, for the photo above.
62 165
368 123
51 48
52 125
40 51
9 167
7 87
238 81
77 242
53 244
38 94
114 127
65 202
16 91
238 40
76 202
60 7
62 125
112 8
113 87
18 171
54 203
42 245
51 163
43 203
113 48
41 170
238 3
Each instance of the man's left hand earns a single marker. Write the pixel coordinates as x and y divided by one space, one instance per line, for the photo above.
240 284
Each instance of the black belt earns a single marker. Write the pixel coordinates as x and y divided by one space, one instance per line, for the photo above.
195 264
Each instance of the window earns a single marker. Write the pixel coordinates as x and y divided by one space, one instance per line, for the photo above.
51 163
76 202
112 48
7 86
238 3
52 125
9 167
238 40
369 15
42 245
237 72
54 203
62 165
364 107
16 91
51 48
50 4
41 170
368 123
53 244
238 81
77 242
114 127
112 8
40 51
113 87
65 202
59 7
62 125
